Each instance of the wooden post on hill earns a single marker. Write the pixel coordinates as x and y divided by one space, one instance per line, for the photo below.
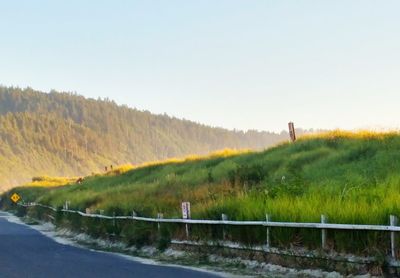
393 222
292 132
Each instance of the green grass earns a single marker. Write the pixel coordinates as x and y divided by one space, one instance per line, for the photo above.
351 178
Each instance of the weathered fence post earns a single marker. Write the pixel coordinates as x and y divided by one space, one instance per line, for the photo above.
114 218
224 217
66 205
324 220
267 219
159 216
292 132
187 231
393 222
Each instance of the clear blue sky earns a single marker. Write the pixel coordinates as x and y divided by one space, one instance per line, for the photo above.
235 64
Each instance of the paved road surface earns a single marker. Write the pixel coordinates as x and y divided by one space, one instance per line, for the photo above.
25 252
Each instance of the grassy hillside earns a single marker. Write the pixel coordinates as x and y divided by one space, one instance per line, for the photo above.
352 178
64 134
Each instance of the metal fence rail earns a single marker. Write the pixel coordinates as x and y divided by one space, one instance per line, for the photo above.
250 223
323 226
234 223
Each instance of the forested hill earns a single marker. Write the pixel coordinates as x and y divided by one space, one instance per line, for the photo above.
67 134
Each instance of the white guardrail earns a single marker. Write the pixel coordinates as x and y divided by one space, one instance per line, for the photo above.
391 228
323 226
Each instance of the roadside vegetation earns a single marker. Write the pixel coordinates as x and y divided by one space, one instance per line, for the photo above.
349 177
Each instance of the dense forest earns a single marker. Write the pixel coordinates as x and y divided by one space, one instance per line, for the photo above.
60 133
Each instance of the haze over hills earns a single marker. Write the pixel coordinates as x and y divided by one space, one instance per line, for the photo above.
65 134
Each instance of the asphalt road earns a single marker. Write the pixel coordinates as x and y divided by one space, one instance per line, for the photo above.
25 252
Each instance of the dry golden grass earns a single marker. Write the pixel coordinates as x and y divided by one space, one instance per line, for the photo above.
46 181
358 134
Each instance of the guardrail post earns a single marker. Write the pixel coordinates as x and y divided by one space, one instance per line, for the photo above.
224 217
268 219
393 222
159 216
66 205
114 218
187 231
324 220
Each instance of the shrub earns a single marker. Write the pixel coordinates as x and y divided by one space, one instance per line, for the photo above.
138 234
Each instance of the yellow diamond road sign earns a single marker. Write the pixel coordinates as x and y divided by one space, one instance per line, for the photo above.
15 198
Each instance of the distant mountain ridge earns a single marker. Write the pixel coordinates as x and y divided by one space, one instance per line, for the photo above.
63 134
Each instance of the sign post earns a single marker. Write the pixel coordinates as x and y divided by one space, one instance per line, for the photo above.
185 210
186 215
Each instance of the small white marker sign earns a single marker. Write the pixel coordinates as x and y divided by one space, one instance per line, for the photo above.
185 210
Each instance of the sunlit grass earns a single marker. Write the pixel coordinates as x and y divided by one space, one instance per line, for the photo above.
194 157
359 134
120 169
349 177
298 182
46 181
